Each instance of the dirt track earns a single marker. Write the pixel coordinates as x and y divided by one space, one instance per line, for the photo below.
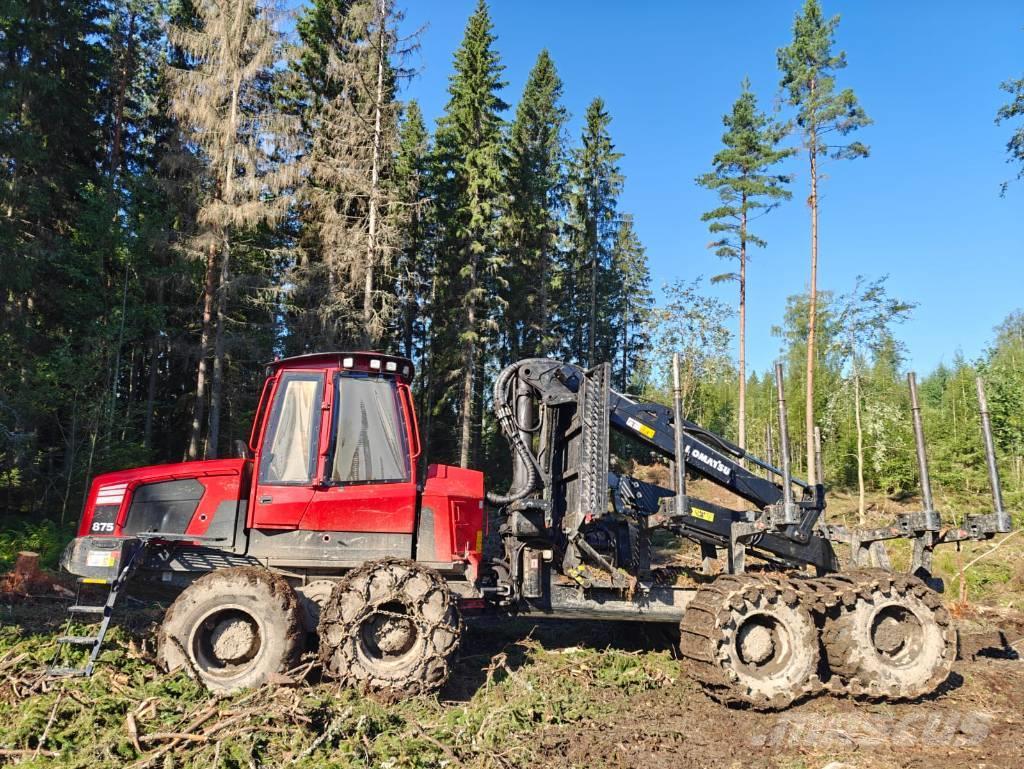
975 719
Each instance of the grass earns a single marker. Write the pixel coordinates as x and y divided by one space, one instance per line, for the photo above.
41 536
130 715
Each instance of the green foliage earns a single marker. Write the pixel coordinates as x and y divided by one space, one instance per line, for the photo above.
586 281
1011 111
530 226
808 67
740 177
44 537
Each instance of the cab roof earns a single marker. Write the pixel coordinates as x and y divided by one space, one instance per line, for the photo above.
371 362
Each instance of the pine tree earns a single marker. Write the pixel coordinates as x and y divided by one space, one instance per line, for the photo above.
223 104
632 305
746 191
534 163
808 68
470 190
593 188
1010 111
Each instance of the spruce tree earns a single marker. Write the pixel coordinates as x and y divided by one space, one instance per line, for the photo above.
351 200
414 267
824 116
593 188
535 161
470 190
632 306
223 105
746 190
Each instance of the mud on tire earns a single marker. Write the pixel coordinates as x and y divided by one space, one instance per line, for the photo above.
894 640
390 626
233 627
749 641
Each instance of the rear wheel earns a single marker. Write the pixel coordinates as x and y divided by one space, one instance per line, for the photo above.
390 626
233 628
895 640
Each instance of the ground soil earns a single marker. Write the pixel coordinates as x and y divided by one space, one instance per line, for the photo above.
974 720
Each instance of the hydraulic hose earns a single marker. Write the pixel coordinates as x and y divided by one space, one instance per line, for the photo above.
504 410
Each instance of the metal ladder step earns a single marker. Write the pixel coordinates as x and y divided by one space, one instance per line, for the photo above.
80 640
83 609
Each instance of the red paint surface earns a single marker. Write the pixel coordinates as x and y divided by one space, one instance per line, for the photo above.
454 494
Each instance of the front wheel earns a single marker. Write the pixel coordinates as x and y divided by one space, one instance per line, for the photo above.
390 626
233 628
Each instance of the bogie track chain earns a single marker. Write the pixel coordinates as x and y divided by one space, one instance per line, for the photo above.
390 626
768 640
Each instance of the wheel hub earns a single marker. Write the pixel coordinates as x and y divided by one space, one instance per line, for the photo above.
391 635
233 639
756 643
889 636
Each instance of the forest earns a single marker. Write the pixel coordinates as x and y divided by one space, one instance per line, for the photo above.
191 188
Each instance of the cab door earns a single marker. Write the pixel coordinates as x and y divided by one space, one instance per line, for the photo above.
287 464
369 482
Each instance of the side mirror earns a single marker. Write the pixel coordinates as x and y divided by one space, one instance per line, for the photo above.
242 450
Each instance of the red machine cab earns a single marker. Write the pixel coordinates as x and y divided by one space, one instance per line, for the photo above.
329 480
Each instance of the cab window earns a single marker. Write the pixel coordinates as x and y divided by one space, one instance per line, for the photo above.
289 446
369 439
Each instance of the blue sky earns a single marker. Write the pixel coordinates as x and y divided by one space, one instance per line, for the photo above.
924 208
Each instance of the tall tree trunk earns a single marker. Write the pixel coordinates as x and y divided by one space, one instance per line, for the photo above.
741 426
154 358
468 367
592 332
217 387
127 67
812 317
199 407
860 448
369 333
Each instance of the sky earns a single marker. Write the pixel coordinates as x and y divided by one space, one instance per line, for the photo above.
924 208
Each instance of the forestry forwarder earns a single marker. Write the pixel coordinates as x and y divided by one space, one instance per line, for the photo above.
324 526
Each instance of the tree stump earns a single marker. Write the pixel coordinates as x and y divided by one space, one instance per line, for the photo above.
25 576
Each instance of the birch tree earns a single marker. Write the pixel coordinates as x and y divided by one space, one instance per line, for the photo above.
865 320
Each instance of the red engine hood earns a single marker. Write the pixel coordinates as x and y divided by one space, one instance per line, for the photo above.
150 473
225 479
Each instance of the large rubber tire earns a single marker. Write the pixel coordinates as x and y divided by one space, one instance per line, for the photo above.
749 641
894 641
390 626
233 628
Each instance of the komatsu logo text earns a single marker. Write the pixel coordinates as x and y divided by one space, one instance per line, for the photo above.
715 464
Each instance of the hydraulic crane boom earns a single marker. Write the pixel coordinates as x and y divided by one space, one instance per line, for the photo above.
565 497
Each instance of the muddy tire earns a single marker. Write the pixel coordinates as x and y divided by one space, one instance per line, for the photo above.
894 641
390 626
233 628
749 641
